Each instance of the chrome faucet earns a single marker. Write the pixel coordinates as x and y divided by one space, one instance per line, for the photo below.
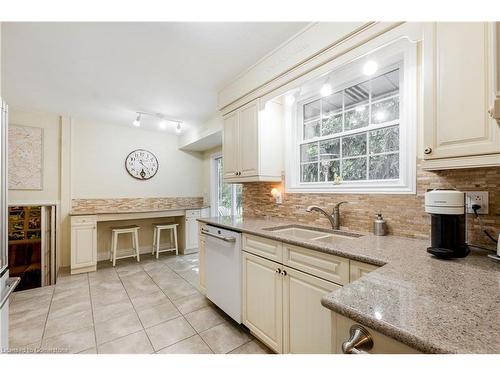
334 218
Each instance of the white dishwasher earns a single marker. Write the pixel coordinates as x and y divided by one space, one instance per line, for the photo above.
223 269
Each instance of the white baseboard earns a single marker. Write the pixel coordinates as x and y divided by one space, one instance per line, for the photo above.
104 255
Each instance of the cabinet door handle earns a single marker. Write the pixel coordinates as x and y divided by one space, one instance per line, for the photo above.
359 342
278 270
427 150
284 273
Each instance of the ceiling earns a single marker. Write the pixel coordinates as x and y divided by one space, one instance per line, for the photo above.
106 71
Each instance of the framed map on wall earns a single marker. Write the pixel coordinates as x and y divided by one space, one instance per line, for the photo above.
25 157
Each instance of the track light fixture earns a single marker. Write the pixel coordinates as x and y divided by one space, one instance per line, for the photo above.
163 121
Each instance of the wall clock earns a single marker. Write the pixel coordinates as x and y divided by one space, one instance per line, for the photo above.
141 164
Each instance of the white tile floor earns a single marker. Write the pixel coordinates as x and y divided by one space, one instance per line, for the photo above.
148 307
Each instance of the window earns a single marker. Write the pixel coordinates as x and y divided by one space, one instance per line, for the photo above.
358 136
228 199
355 132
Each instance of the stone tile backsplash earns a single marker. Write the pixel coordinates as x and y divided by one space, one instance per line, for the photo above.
404 213
133 204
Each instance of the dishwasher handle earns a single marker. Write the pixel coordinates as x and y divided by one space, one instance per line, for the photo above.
360 341
219 237
11 285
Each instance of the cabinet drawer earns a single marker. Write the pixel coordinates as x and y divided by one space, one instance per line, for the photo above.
326 266
193 214
83 220
358 269
264 247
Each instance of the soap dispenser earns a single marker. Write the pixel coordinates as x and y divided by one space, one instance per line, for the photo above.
379 227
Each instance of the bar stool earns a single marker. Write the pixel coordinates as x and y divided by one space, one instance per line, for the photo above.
115 231
157 228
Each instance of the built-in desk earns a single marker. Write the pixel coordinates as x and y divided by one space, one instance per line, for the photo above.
86 245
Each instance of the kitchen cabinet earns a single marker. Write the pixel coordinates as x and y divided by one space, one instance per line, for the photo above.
262 300
282 307
307 323
459 91
248 153
358 269
282 289
230 145
83 244
382 344
201 258
327 266
191 229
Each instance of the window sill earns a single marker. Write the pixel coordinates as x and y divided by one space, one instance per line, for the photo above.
352 189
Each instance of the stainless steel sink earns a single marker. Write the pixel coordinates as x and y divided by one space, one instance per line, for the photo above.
312 234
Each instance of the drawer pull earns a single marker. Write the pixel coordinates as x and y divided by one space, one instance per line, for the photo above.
359 342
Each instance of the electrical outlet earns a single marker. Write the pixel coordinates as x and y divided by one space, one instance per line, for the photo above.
477 197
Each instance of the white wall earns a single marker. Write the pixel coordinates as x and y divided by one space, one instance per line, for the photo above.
213 125
98 153
206 173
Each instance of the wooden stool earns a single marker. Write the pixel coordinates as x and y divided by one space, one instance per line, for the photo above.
157 228
134 231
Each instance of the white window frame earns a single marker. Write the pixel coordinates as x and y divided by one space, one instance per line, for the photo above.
403 54
214 181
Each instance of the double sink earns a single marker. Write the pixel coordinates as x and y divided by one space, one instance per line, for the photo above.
303 232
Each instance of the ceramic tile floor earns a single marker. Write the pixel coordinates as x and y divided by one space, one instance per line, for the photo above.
148 307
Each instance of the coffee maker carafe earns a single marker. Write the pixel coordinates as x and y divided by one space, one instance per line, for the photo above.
448 223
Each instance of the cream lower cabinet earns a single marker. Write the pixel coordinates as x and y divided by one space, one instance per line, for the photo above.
83 244
358 269
282 307
263 300
307 325
201 258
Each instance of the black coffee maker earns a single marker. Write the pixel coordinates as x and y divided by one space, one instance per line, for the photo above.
448 223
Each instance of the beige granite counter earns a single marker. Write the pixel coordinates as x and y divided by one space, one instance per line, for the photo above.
432 305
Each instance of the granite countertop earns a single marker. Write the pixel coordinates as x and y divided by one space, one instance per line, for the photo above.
432 305
133 210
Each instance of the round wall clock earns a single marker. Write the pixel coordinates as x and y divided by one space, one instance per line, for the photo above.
141 164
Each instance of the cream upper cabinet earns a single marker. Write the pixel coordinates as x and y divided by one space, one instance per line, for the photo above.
307 323
459 91
252 143
230 145
262 300
248 140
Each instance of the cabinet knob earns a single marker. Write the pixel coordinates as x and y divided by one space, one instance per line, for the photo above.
278 270
283 273
427 150
236 173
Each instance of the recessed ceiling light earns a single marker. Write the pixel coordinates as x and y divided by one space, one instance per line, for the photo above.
137 121
326 89
370 68
162 124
